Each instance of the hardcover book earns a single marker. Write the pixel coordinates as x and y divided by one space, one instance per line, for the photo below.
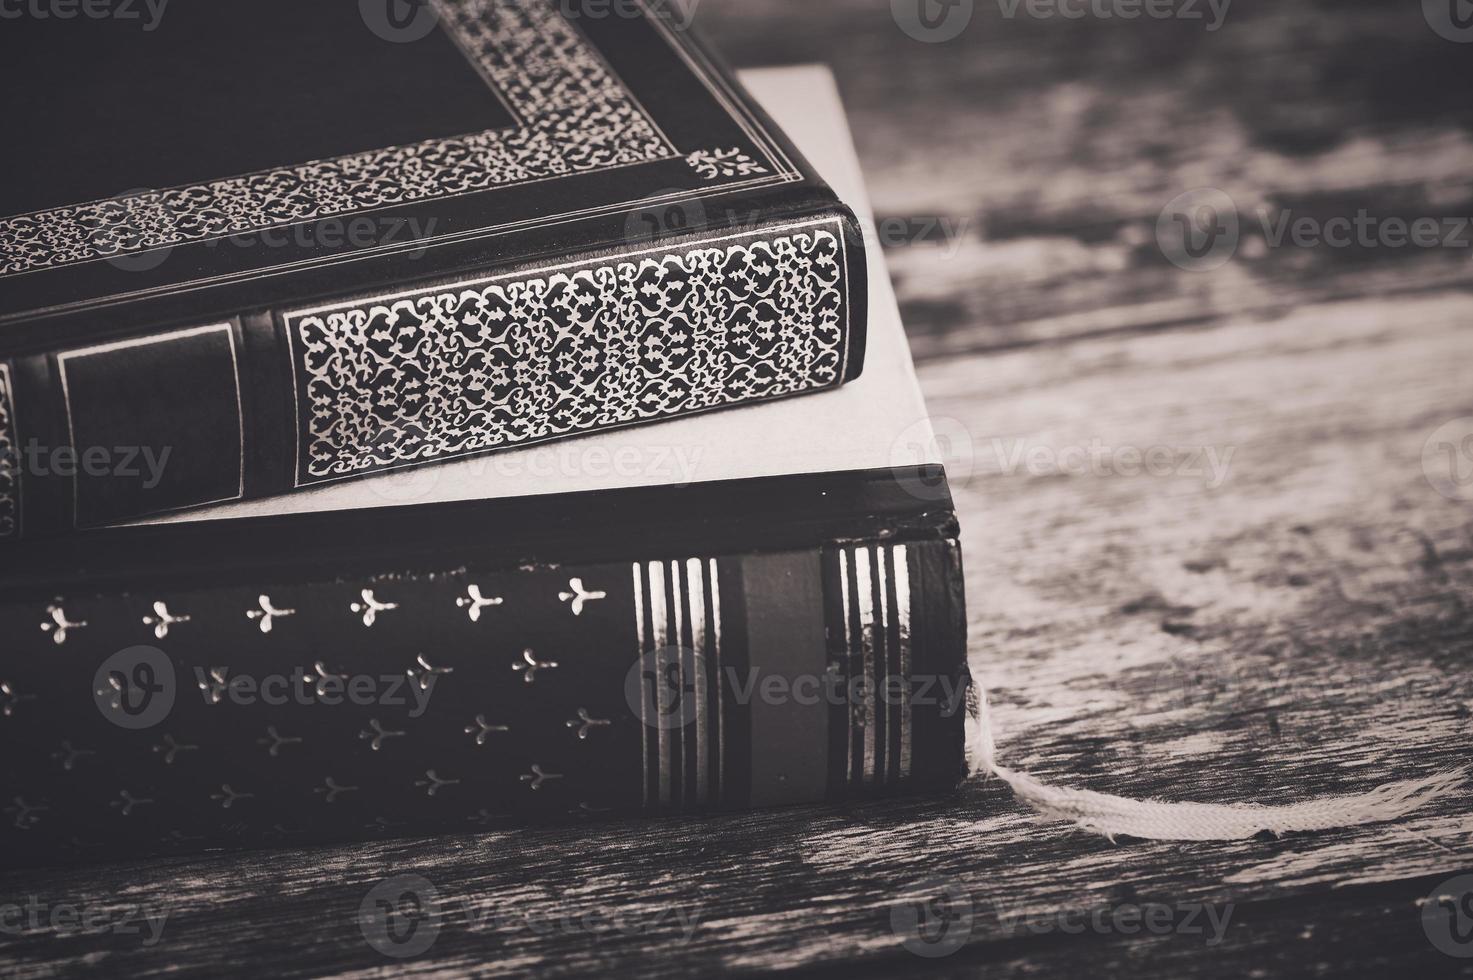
288 245
779 622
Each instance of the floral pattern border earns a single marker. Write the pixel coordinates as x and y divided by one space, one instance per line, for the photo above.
578 116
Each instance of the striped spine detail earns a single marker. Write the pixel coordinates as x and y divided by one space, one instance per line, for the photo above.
9 459
677 612
874 591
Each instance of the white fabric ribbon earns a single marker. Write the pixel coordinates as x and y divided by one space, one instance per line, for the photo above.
1112 816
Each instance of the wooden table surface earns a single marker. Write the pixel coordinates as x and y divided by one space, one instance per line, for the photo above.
1284 608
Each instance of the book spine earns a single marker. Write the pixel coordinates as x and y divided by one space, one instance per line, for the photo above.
180 718
275 402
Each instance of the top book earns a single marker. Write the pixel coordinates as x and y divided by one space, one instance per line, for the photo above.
262 245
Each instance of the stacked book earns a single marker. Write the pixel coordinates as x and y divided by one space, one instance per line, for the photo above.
363 473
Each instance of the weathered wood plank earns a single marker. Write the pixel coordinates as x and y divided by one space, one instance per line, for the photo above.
1301 627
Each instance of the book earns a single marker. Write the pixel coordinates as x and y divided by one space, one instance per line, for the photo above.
785 624
289 245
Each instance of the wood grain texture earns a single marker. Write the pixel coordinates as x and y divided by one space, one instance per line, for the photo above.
1297 621
1301 628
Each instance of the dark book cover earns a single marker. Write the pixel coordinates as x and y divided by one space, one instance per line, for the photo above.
448 667
288 244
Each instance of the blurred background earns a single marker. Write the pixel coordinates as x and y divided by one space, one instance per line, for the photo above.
1033 155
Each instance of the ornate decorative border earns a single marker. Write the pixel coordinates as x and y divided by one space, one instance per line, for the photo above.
711 164
9 459
577 116
516 359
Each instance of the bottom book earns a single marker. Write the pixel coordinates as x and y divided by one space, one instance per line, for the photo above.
241 684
